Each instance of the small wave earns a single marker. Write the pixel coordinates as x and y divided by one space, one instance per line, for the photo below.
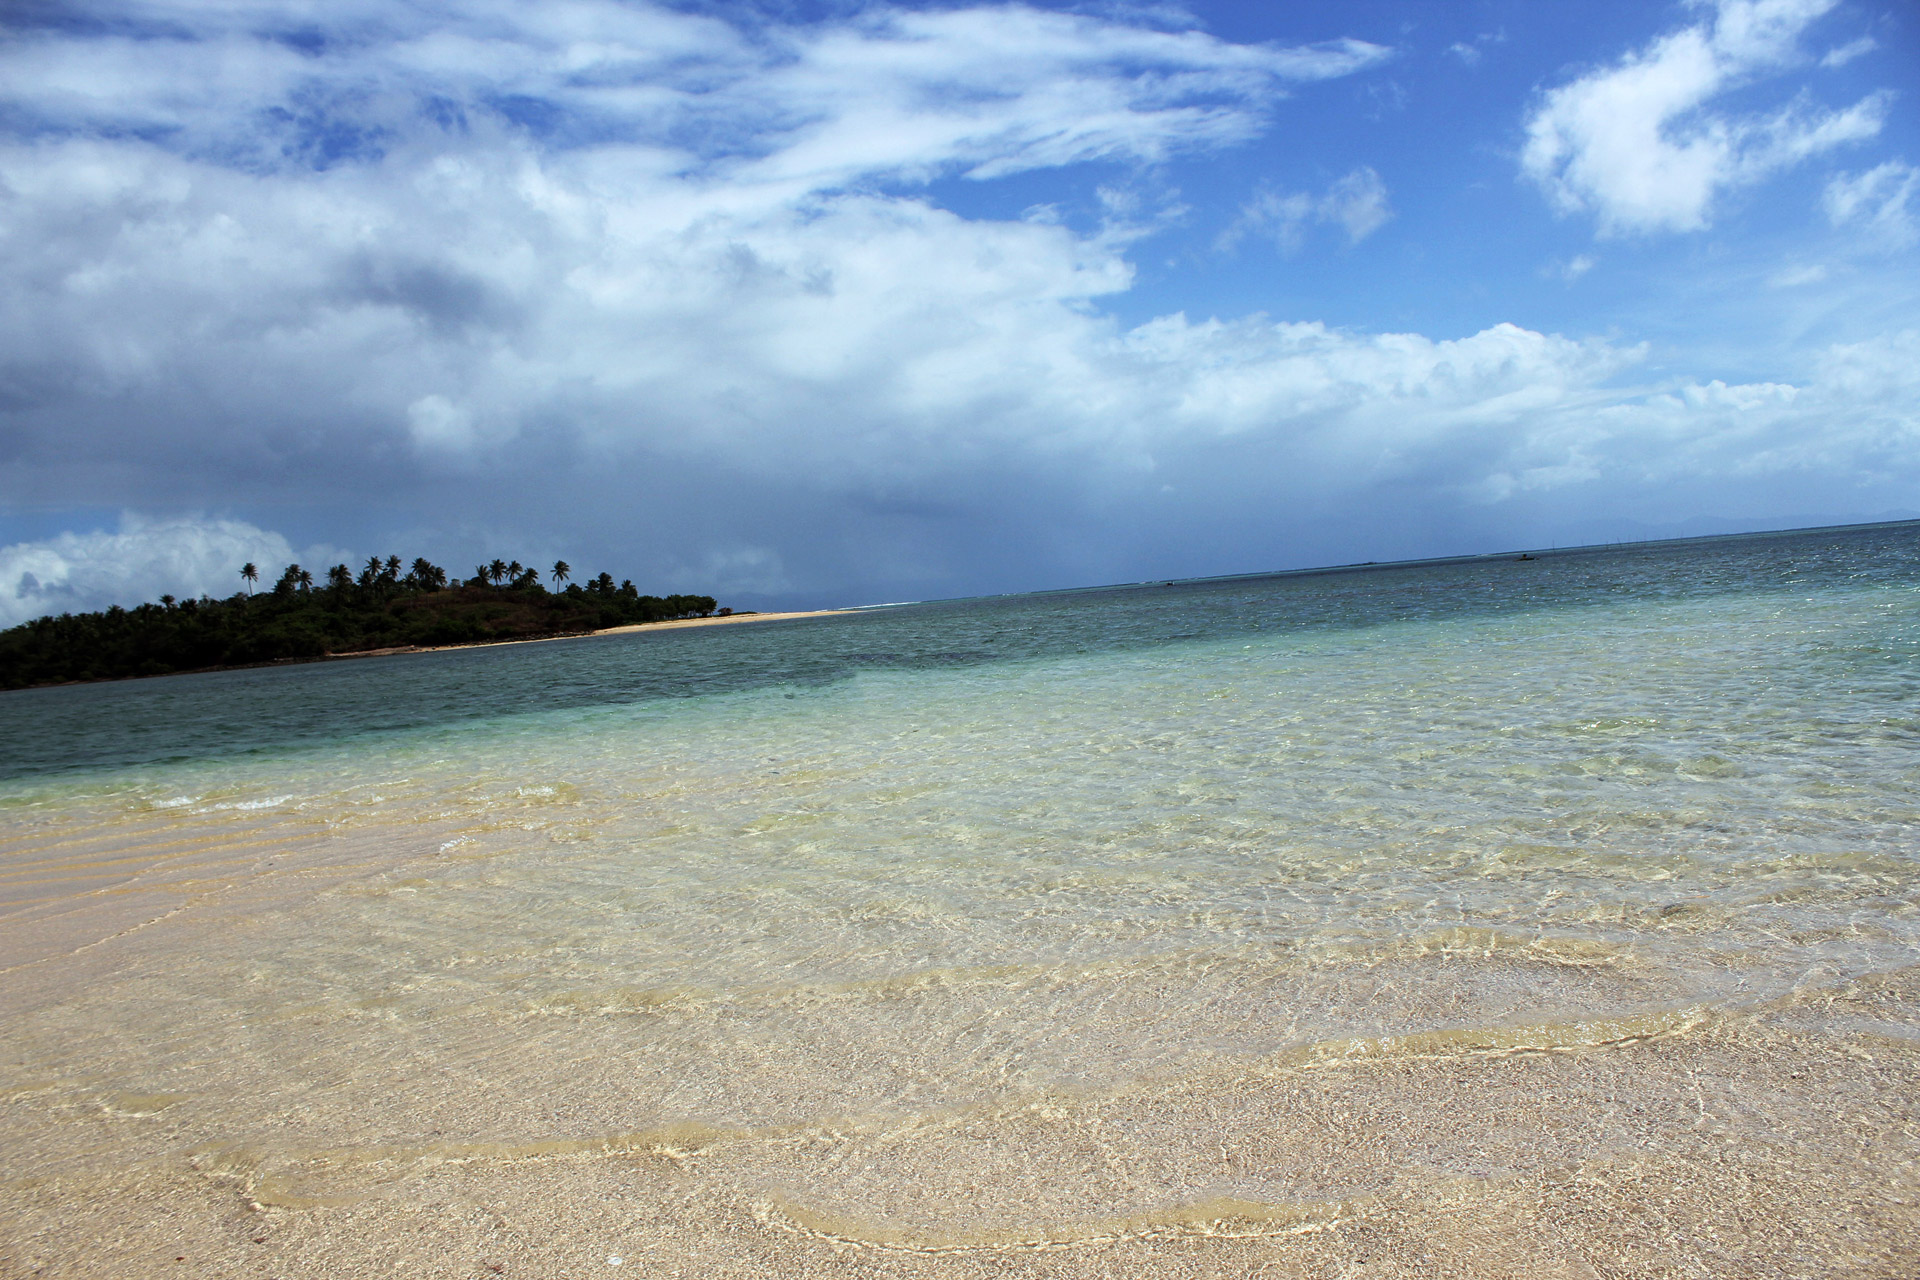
267 803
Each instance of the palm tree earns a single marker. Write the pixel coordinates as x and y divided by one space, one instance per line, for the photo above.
560 571
497 571
251 572
306 579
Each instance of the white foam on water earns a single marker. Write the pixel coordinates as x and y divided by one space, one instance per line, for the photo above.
246 806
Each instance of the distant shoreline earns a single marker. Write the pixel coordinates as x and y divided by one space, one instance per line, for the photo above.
670 624
396 650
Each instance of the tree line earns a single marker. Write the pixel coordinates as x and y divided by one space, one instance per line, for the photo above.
387 604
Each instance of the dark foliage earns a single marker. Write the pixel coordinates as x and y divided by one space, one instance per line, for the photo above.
377 609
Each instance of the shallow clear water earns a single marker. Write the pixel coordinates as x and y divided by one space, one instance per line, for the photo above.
325 929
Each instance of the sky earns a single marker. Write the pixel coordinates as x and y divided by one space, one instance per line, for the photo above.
820 304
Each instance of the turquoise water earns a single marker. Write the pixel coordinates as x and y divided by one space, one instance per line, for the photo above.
219 715
895 867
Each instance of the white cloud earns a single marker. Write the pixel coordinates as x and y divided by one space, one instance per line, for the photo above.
694 258
1854 421
594 258
1639 144
1357 204
143 560
1794 277
1573 268
1471 52
988 90
1878 203
1841 55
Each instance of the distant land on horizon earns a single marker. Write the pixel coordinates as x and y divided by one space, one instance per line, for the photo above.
299 620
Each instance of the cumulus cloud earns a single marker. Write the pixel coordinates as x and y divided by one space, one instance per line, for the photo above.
141 561
1878 203
1853 421
1640 144
1357 204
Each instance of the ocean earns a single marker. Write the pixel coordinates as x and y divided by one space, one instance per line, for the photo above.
1545 916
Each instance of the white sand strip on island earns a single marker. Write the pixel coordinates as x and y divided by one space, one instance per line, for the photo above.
712 621
718 620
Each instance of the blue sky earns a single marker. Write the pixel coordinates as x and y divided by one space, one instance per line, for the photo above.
824 304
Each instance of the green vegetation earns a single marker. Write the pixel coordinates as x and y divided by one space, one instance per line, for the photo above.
377 609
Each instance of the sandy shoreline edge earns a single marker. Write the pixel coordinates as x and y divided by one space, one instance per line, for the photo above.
396 650
669 625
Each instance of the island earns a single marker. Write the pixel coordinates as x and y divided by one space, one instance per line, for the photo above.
386 606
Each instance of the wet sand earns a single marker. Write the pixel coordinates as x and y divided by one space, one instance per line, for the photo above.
174 1105
1470 1161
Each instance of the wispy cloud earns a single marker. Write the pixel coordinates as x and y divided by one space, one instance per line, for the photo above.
1572 268
887 92
1356 203
1470 52
1640 145
1877 203
1797 276
1841 55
